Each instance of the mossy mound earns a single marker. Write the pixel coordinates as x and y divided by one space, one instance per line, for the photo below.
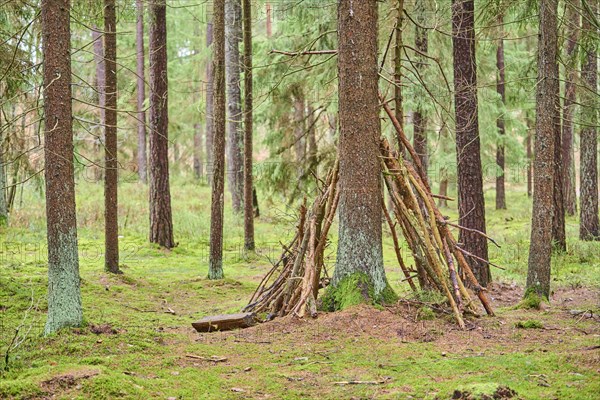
356 289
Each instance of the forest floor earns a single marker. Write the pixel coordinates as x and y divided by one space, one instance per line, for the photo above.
138 342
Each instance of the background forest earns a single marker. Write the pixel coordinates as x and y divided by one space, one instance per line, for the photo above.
136 340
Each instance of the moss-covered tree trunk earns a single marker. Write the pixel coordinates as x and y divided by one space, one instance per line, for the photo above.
540 247
359 272
64 295
215 262
161 219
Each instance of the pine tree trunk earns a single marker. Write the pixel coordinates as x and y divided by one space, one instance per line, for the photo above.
111 207
419 118
312 139
574 21
589 228
248 128
540 247
359 246
215 267
198 159
234 143
559 237
3 205
471 204
444 138
500 190
142 156
64 295
101 93
269 20
299 130
398 49
209 105
161 220
529 153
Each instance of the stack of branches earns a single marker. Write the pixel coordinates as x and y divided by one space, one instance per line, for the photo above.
292 284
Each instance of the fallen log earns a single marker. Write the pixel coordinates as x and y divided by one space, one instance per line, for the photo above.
225 322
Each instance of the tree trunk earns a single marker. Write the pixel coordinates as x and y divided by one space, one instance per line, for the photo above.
161 220
64 295
215 266
359 255
540 247
101 93
444 138
269 20
399 108
500 88
559 237
111 207
419 118
471 206
589 228
141 94
299 130
233 36
312 139
198 159
248 127
209 105
571 54
529 150
3 204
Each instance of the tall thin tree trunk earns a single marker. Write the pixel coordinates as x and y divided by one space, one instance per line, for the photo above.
142 156
312 138
419 117
209 105
500 78
215 266
559 237
111 207
398 49
540 247
198 156
233 36
3 204
161 220
359 248
443 171
529 153
64 295
573 24
269 20
589 228
471 205
248 127
101 93
299 129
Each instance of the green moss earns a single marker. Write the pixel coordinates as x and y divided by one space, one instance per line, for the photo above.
353 290
529 324
426 314
531 301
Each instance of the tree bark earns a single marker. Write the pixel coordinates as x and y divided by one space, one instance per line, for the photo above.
589 228
64 295
215 267
269 20
3 191
500 89
209 105
471 205
360 216
142 156
299 129
572 26
198 159
233 36
540 247
161 220
559 237
248 128
419 117
101 93
111 206
398 100
312 139
529 151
